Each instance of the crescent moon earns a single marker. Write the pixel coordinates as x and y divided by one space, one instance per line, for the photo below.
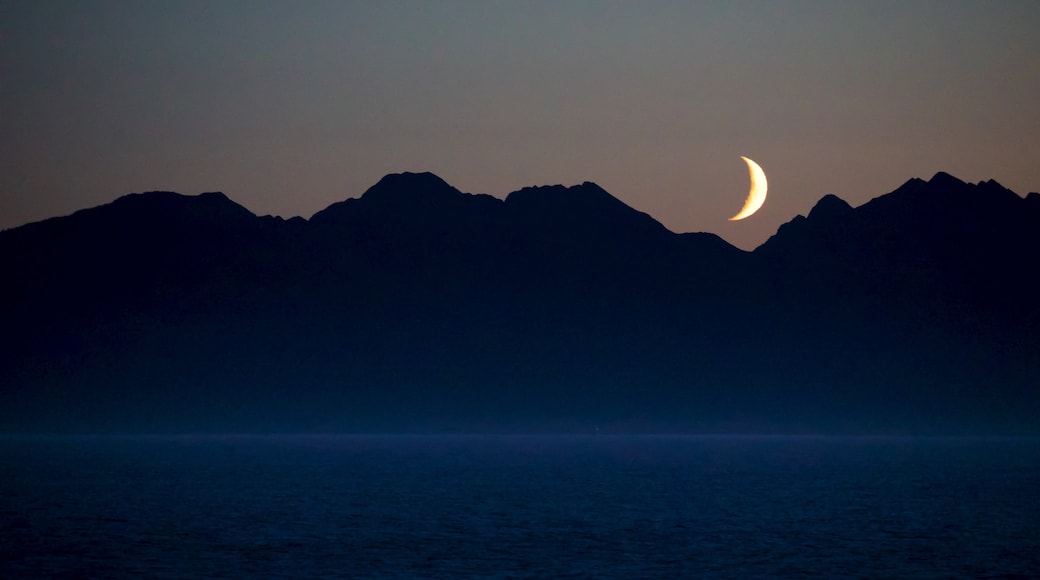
757 196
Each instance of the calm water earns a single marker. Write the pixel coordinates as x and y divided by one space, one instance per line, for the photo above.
473 506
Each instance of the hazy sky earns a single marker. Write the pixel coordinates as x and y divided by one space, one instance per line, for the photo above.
290 106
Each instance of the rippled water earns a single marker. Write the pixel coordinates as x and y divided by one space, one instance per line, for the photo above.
512 506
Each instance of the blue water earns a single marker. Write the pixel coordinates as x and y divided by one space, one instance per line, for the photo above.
511 506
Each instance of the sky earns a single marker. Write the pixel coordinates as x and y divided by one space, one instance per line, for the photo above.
288 107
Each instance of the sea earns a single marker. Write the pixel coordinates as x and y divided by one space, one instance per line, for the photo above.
512 506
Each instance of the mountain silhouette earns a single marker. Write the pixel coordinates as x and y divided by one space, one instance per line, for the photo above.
417 307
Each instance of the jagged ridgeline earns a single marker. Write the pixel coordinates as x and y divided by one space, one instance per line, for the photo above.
418 308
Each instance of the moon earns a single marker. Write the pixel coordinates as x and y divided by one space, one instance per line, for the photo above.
757 196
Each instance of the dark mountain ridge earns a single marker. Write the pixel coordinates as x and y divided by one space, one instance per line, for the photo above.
417 307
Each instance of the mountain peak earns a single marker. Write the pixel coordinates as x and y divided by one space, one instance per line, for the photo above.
829 206
411 179
408 187
164 206
411 198
585 207
947 189
565 198
943 179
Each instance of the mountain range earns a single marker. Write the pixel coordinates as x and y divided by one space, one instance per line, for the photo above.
419 308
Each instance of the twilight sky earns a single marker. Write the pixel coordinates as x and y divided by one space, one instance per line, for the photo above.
290 106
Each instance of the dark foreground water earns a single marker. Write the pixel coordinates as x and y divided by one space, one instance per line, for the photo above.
571 506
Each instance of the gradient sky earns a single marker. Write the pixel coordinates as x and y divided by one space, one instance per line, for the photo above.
290 106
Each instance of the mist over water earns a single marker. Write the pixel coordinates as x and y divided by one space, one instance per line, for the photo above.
451 506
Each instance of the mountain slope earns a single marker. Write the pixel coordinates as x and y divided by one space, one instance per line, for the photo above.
417 307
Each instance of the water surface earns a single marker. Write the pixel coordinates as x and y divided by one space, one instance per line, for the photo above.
518 506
